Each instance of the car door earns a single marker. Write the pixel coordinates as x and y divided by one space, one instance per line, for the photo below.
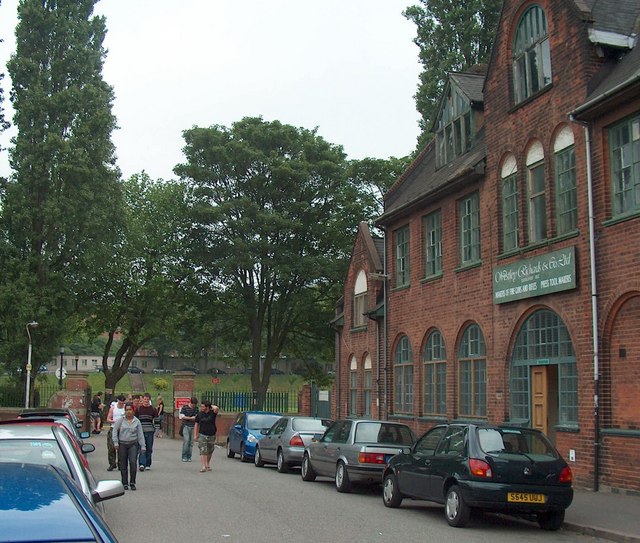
414 475
271 441
235 433
329 447
449 453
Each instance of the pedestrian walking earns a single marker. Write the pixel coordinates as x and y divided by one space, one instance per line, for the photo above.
96 412
145 413
204 433
128 438
116 412
187 416
160 417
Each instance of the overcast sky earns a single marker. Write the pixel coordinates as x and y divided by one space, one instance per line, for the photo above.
348 67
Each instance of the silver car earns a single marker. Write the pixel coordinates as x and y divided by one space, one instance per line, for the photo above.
283 444
39 441
355 451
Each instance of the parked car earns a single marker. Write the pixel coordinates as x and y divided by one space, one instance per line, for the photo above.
64 416
276 371
52 411
245 432
135 369
216 371
354 451
41 503
283 444
37 441
190 368
494 468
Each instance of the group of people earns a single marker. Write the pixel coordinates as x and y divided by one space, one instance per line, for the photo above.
133 428
131 435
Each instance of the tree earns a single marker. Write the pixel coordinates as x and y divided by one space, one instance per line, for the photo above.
140 294
3 122
276 217
59 204
452 36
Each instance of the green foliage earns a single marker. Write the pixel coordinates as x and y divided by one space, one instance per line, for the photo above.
452 36
160 383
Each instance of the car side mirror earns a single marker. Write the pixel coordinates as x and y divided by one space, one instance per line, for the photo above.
316 437
264 431
85 435
88 448
238 427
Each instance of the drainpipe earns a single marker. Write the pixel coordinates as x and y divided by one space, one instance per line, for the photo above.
594 311
384 330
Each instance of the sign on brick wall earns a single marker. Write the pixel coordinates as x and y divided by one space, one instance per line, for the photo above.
536 276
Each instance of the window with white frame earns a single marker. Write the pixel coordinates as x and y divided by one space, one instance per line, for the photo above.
470 229
537 193
566 194
367 389
435 375
624 146
433 244
353 387
509 175
403 376
360 300
402 256
531 55
454 133
472 378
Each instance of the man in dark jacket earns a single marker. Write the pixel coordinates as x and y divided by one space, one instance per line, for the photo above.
146 413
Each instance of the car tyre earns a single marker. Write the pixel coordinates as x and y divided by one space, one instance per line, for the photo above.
343 484
456 511
306 471
553 520
391 496
282 464
257 459
243 454
230 453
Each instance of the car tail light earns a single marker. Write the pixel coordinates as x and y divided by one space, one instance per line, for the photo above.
480 468
371 458
296 441
565 475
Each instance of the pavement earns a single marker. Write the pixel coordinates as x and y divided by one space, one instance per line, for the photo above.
606 514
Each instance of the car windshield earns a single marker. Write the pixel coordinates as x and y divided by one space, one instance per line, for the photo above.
381 432
258 421
310 425
515 441
33 451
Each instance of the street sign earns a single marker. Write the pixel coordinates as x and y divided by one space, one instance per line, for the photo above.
180 402
216 380
64 373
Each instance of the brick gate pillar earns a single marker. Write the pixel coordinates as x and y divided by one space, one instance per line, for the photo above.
183 389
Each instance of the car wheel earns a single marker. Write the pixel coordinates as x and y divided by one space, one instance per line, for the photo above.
456 511
307 470
243 454
283 466
257 459
391 496
553 520
343 484
230 453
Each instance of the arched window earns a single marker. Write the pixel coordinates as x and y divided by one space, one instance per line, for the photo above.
531 55
537 193
360 300
509 176
472 377
353 387
367 389
435 375
564 155
403 376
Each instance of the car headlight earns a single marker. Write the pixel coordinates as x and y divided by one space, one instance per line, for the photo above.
252 439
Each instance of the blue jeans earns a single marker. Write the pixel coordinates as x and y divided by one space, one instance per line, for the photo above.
144 458
187 442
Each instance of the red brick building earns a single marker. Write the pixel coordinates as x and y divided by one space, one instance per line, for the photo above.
512 289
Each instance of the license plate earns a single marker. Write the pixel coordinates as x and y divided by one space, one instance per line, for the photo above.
522 497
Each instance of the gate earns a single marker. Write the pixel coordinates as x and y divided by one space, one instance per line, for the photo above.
320 402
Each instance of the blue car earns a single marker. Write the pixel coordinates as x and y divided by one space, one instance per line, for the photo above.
41 503
245 432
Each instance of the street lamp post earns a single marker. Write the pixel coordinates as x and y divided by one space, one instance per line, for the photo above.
31 324
61 362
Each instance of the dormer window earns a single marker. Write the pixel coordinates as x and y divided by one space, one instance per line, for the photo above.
454 133
531 55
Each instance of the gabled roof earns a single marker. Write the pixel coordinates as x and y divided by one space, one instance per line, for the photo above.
470 84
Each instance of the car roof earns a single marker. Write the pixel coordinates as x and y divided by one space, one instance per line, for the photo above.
40 503
27 429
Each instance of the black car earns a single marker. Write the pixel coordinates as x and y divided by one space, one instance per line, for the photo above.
134 369
190 368
493 468
216 371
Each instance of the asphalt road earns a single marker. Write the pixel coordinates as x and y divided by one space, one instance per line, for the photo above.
238 502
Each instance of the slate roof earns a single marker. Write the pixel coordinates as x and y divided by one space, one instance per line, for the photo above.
470 84
620 16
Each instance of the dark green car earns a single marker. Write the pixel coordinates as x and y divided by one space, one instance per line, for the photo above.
493 468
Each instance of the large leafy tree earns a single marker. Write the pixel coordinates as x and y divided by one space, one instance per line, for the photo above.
276 217
139 294
59 204
452 36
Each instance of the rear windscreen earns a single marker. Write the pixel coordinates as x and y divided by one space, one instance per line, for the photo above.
383 433
310 425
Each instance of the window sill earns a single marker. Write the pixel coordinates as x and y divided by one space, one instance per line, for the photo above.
619 432
531 98
567 428
622 218
433 418
431 278
468 266
401 287
521 251
357 329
